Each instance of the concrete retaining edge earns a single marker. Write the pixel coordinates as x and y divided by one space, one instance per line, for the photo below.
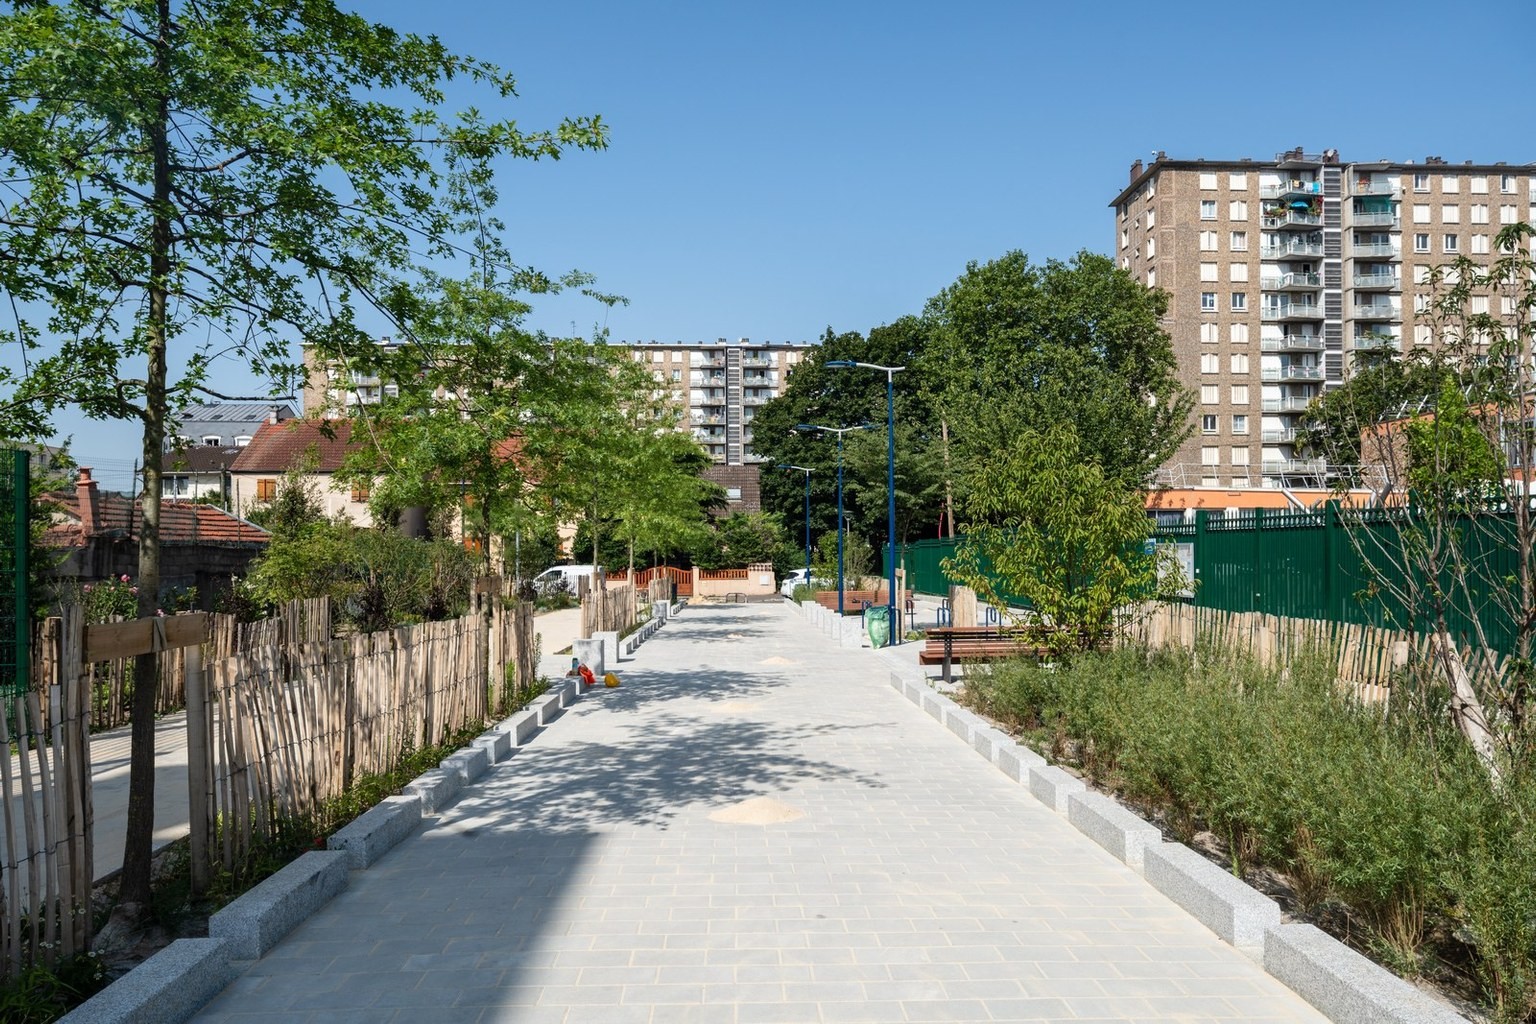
1226 905
1343 985
377 830
468 764
256 921
434 788
172 985
497 744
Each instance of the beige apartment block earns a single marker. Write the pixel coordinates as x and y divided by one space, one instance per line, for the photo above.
718 386
1282 274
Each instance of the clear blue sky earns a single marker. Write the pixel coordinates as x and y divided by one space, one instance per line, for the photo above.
776 169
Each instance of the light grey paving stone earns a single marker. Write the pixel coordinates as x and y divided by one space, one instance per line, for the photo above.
377 831
1345 985
169 987
1224 904
255 922
1052 786
1118 830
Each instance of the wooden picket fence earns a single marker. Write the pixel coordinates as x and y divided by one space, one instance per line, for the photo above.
1370 660
297 725
512 644
611 610
46 868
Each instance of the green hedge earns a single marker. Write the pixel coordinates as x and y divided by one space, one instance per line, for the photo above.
1388 826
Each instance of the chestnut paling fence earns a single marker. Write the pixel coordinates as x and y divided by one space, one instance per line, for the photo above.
282 719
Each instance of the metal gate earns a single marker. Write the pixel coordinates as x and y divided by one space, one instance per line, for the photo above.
15 603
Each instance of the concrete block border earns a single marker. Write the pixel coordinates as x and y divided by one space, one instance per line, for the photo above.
256 921
172 985
1343 985
176 983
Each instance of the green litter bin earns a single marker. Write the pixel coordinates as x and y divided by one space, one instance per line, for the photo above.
877 624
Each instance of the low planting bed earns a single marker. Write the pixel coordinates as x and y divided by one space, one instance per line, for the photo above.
1378 825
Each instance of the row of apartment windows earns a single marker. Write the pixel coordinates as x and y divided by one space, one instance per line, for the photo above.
1210 455
1209 424
1210 394
1477 184
1210 362
1237 334
1239 302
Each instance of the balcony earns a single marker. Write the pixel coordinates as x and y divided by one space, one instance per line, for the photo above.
1292 373
717 363
1285 436
1291 311
1291 247
756 362
1292 343
1295 467
1369 342
1288 220
1374 187
1291 282
1286 404
1376 220
1373 250
1377 311
1388 282
1293 189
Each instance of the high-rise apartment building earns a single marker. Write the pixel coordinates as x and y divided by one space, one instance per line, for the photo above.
1281 273
718 385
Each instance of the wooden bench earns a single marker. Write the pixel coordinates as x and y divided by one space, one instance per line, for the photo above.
947 644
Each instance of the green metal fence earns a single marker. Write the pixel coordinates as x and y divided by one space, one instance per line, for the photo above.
15 604
1308 565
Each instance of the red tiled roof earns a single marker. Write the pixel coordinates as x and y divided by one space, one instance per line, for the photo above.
278 447
181 522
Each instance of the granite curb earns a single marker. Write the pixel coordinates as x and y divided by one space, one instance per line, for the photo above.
1343 985
177 982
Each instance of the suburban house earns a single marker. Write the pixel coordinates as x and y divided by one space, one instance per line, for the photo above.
316 446
205 443
98 533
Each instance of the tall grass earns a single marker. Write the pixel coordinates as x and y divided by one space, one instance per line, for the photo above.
1388 816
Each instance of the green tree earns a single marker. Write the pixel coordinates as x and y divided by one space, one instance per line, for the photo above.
1018 347
1382 389
1050 528
748 538
189 177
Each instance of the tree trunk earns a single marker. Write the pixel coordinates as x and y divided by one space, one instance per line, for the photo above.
134 893
1466 709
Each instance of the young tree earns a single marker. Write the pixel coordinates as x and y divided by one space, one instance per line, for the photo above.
189 178
1050 528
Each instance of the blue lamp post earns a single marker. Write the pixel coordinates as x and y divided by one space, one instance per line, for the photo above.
839 431
890 474
807 471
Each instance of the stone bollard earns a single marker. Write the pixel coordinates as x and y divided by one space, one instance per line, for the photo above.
590 652
661 611
610 642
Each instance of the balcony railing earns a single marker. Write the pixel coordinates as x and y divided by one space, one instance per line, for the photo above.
1374 187
1292 219
1373 250
758 362
1292 311
1391 281
1292 248
1294 187
1376 341
1294 467
1294 343
717 363
1286 404
1290 282
1298 373
1376 220
1285 436
1377 311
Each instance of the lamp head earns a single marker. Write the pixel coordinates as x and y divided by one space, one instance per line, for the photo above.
841 364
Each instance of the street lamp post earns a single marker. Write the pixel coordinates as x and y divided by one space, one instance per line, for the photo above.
807 471
839 431
890 474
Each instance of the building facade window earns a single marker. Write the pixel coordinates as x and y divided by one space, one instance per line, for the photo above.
1237 181
1210 455
1450 184
1451 243
1421 183
1208 423
1239 242
1450 213
1207 180
1208 272
1210 334
1208 301
1210 362
266 490
1207 209
1239 334
1210 394
1237 273
1239 302
1209 240
1421 242
1421 213
1239 362
1237 210
1240 424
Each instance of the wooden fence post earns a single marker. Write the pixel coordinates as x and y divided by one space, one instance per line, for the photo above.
198 772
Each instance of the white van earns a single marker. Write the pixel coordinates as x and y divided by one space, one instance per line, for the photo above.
571 575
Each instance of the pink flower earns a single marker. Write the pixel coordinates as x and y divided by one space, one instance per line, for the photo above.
133 590
87 588
160 612
125 577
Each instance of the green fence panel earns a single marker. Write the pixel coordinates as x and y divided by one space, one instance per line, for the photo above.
15 605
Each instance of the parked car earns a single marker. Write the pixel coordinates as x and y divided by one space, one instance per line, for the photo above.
557 577
796 578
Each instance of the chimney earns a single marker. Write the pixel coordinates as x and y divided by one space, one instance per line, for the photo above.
85 497
274 415
1136 168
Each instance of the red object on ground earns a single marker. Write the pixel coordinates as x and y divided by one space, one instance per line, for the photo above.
587 678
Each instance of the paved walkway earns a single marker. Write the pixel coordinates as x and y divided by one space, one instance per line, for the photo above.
754 828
